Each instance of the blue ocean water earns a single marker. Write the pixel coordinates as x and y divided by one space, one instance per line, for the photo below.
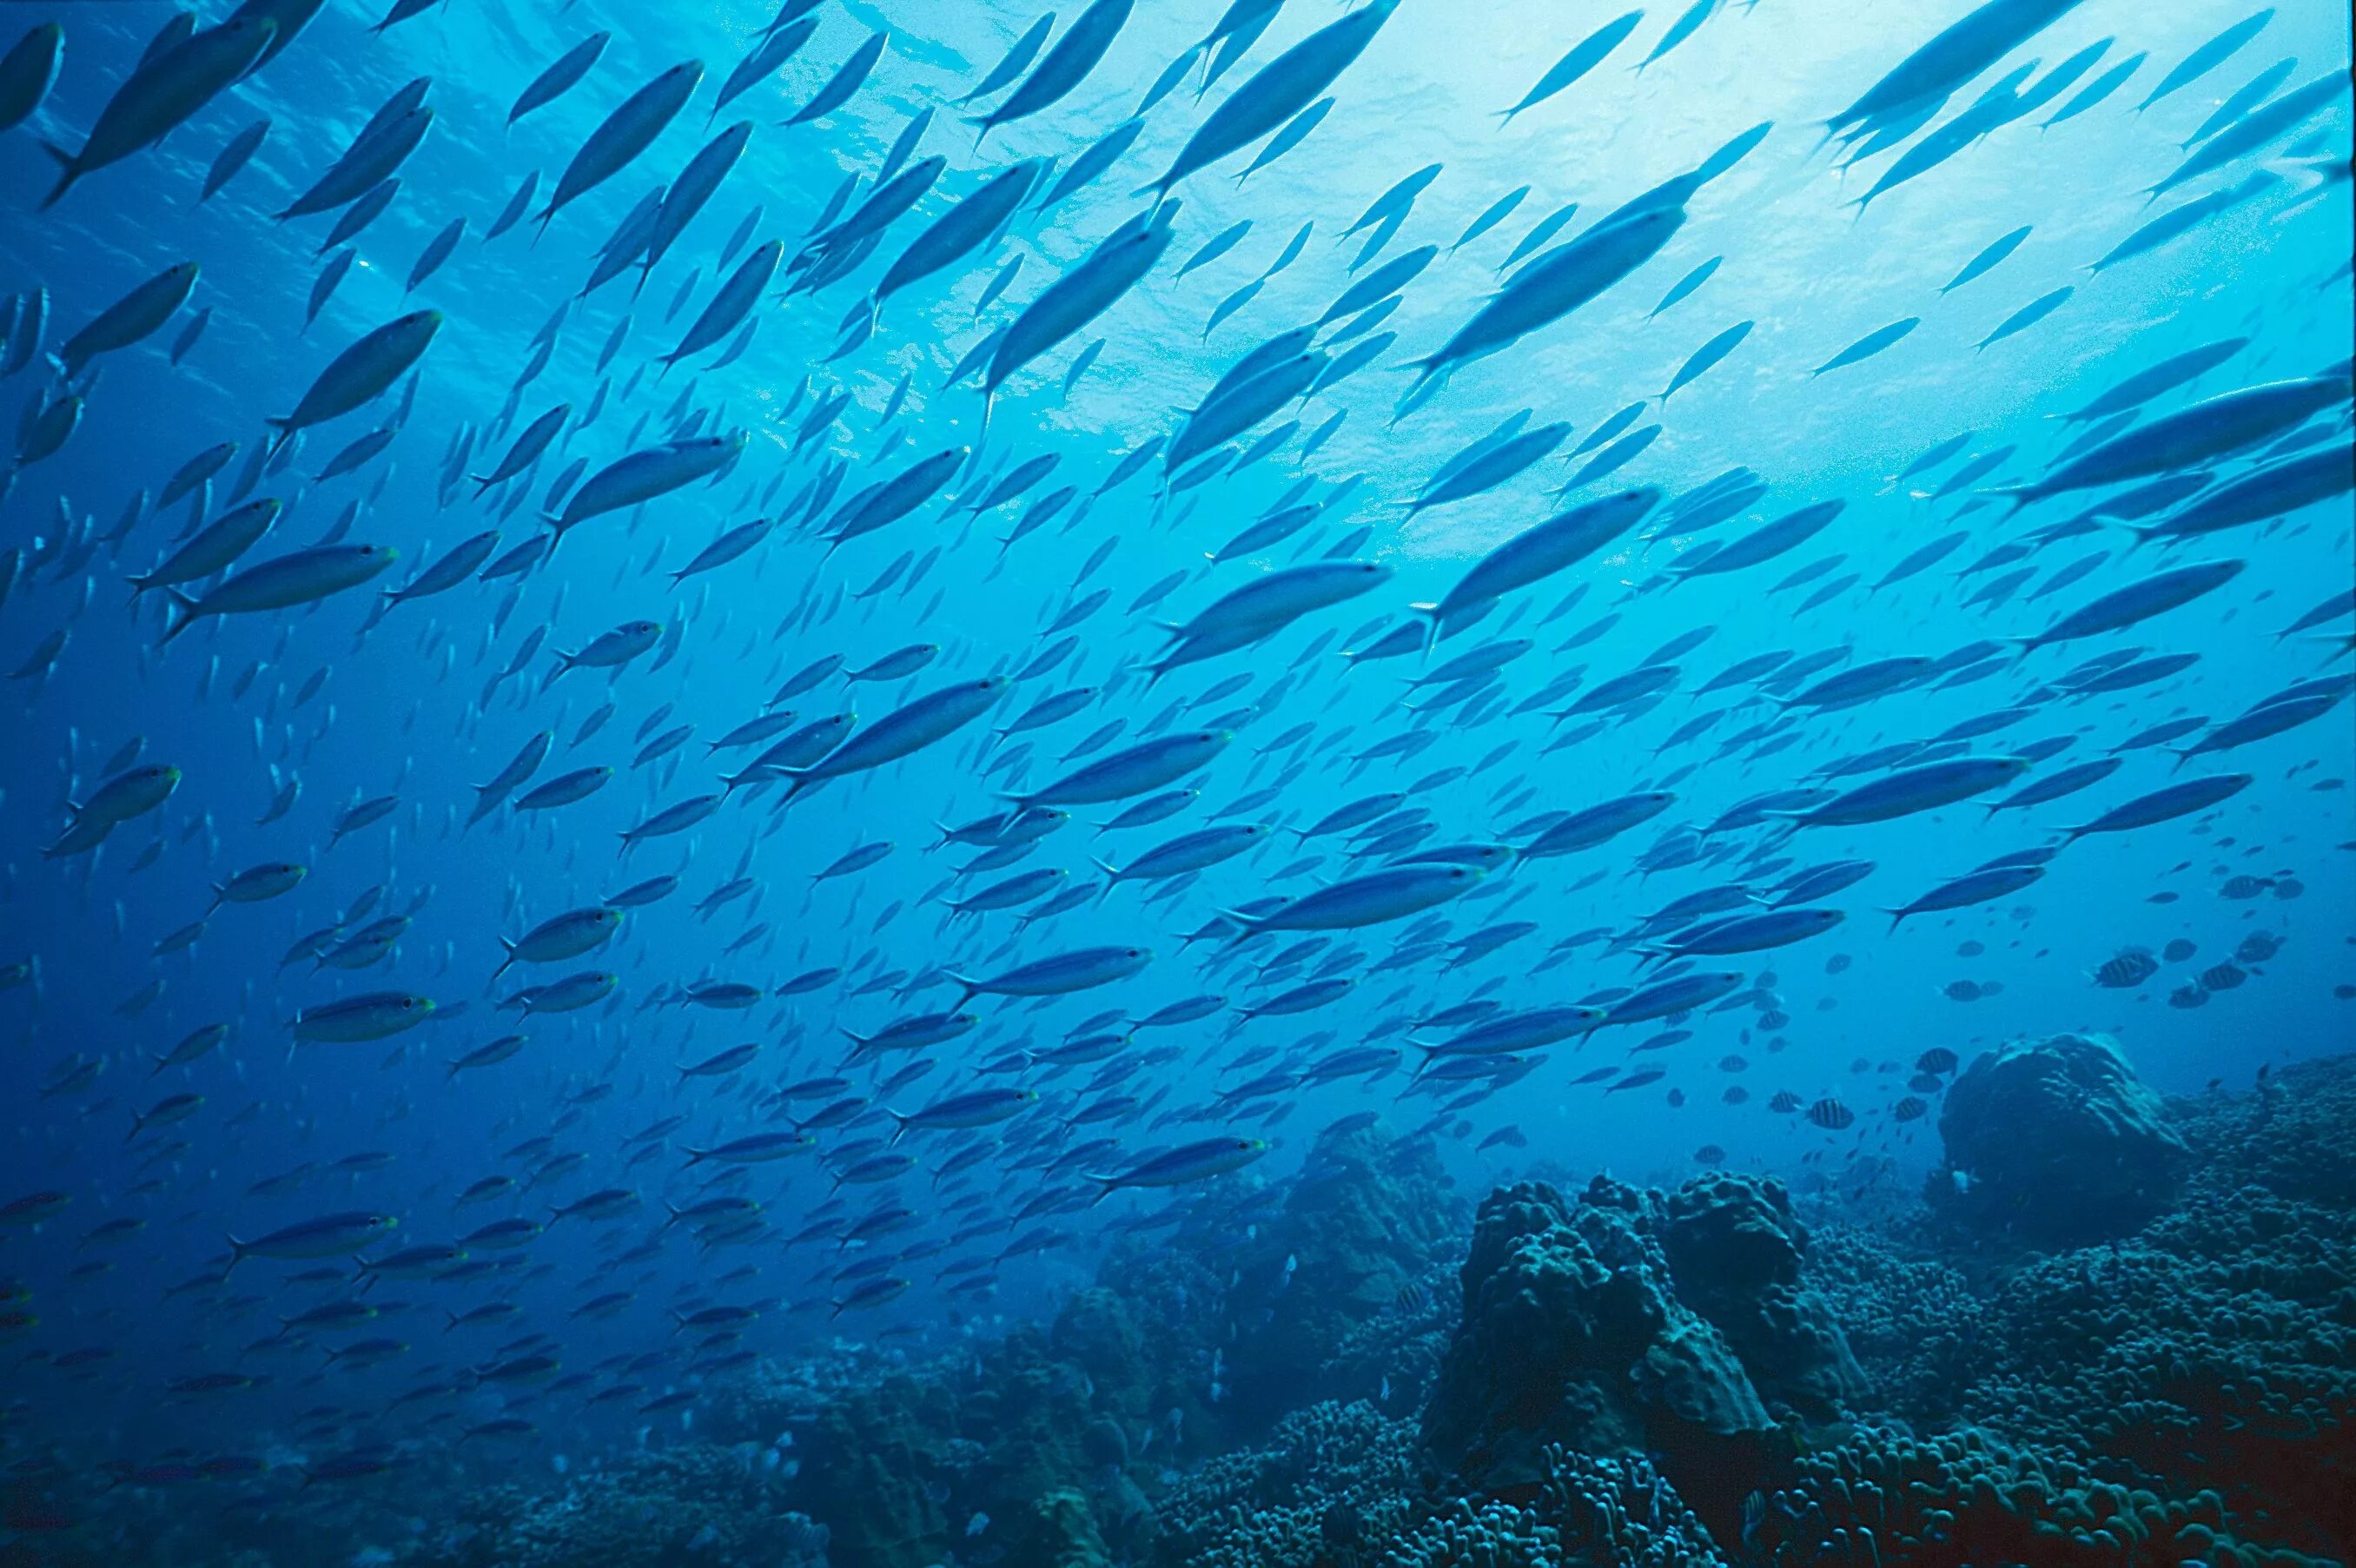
807 913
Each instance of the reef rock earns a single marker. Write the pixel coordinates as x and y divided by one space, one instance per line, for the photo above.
1630 1321
1737 1251
2057 1142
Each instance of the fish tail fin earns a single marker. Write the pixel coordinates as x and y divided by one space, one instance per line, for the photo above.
187 609
1111 876
68 172
854 339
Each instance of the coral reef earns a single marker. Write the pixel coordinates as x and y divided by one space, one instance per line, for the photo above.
1234 1326
2055 1142
1392 1356
2212 1351
1963 1500
1586 1510
2290 1138
1362 1226
697 1502
1287 1376
1332 1478
1913 1320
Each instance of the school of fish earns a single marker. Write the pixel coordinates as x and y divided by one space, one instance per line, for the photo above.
613 765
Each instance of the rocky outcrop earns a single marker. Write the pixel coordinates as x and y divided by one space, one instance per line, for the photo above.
1737 1252
2055 1142
1628 1321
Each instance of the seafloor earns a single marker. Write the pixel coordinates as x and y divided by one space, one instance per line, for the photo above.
2125 1334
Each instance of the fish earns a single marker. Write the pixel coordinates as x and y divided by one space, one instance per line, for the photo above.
1082 294
1582 57
2126 971
2164 804
1202 1160
1960 52
1554 285
2208 57
285 581
607 747
1063 68
623 135
847 80
643 476
157 97
360 374
136 315
2183 438
561 75
2136 602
